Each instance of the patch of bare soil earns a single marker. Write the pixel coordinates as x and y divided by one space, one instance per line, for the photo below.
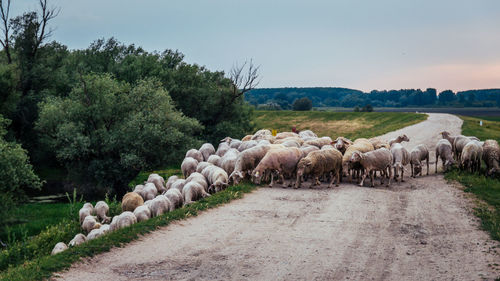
422 229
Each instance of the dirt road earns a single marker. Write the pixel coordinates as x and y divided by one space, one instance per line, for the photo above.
419 230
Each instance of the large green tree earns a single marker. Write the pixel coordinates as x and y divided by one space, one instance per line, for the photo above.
106 131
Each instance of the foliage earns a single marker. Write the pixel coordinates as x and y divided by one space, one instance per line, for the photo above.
367 108
302 104
42 265
16 173
333 124
106 131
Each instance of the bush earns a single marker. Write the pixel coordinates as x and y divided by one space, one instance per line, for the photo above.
106 131
367 108
302 104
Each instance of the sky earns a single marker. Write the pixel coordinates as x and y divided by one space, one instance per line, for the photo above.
366 45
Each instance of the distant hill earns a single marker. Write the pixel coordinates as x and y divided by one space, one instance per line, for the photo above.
282 98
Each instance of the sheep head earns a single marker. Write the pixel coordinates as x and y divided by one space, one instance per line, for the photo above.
236 177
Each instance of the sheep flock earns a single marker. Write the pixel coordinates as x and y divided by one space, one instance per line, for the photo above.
288 158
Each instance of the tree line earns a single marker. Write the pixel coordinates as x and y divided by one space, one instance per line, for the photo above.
283 98
106 112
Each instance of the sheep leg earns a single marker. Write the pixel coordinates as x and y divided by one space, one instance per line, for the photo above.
317 181
372 179
332 179
339 177
427 165
283 180
272 180
362 179
389 177
411 166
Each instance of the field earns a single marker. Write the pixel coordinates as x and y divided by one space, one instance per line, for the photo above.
486 189
333 124
39 218
466 111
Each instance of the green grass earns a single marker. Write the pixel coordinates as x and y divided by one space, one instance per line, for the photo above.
333 124
486 189
43 266
165 173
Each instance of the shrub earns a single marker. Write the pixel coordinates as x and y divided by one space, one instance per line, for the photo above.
106 131
302 104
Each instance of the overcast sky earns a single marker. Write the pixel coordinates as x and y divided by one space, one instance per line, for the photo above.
383 44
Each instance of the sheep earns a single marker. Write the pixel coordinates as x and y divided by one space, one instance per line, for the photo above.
143 212
328 146
222 149
206 150
94 234
262 135
308 149
90 223
179 184
263 142
235 144
59 247
77 240
470 158
296 139
158 181
86 210
372 161
247 161
446 135
378 143
491 156
401 158
216 177
246 145
193 153
319 163
290 143
104 228
361 145
125 219
193 191
214 159
444 151
459 144
175 198
148 192
101 209
284 135
226 140
319 142
399 139
341 144
203 165
417 155
130 201
307 135
188 166
247 138
227 162
198 177
171 180
282 160
160 205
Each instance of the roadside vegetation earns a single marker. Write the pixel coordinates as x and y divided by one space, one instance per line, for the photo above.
333 124
485 188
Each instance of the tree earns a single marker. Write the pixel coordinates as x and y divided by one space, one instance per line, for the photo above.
106 131
302 104
5 40
16 173
367 108
446 97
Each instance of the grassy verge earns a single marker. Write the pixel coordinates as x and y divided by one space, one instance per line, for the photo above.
333 124
487 190
44 266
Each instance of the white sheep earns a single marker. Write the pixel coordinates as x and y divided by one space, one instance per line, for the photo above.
179 184
77 240
203 165
149 191
175 198
401 158
470 158
193 191
247 161
216 177
235 144
158 181
86 210
372 161
228 160
105 228
417 155
198 177
399 139
101 209
444 150
491 156
160 205
193 153
143 212
214 159
222 149
94 234
59 247
188 166
90 223
207 149
171 180
125 219
246 145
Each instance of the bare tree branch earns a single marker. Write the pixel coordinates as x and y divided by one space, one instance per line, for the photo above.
242 82
47 15
4 14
